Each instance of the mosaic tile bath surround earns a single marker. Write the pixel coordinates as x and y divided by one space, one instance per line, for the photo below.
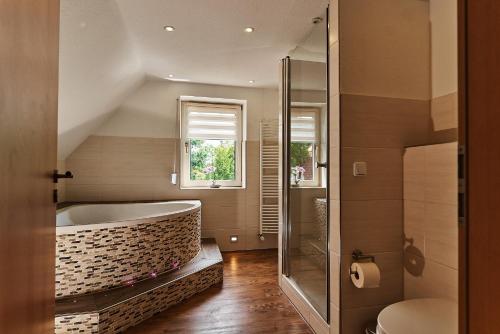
197 276
94 260
77 323
314 245
320 209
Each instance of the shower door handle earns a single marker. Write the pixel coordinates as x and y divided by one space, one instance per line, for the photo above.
321 164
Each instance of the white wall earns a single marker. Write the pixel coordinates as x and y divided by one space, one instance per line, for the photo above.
97 68
151 111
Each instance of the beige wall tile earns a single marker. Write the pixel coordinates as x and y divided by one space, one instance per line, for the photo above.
371 121
441 178
82 193
415 244
223 216
335 69
334 319
334 173
222 237
335 226
354 320
441 232
252 216
126 192
384 179
436 281
432 223
334 122
253 241
442 251
84 167
335 279
90 149
414 215
414 173
372 226
444 112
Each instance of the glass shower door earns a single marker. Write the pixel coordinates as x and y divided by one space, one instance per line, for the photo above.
305 115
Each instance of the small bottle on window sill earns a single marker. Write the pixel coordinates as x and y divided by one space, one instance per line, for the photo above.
214 185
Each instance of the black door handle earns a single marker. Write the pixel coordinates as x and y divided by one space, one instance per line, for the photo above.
56 176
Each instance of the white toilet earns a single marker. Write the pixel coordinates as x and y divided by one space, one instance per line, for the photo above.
419 316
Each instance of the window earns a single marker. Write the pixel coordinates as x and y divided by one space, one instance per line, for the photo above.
304 153
212 139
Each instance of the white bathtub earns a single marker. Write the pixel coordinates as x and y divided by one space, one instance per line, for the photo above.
72 219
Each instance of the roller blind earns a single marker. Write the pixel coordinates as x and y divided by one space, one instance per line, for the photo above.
211 121
303 125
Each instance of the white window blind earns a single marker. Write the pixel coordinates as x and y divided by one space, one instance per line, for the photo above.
303 125
212 122
207 129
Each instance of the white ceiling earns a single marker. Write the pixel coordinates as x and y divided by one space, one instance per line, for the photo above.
209 44
107 47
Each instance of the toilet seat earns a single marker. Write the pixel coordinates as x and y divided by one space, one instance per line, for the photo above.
419 316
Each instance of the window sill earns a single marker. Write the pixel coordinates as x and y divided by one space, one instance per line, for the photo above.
209 188
307 187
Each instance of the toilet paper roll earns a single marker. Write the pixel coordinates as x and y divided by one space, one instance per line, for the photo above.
365 275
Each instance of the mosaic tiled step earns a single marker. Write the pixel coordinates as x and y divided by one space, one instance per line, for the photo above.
114 311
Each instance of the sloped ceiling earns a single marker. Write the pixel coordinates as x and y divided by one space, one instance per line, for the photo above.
108 47
98 68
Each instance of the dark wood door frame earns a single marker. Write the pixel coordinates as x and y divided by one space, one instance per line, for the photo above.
480 134
462 115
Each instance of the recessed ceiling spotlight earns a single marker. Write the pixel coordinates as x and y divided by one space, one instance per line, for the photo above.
169 28
170 75
251 81
249 29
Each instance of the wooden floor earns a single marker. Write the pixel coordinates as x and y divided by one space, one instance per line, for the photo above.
250 301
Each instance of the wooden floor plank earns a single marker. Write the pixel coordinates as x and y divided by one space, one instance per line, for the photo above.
249 301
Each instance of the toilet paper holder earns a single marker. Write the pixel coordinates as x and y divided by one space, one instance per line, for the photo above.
358 256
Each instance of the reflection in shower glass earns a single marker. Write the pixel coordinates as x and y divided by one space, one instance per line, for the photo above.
307 237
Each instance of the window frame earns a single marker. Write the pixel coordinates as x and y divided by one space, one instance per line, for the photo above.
240 144
316 181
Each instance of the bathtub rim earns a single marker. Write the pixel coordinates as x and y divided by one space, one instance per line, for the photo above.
72 229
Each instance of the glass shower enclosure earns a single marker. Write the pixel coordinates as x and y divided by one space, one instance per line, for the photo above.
305 167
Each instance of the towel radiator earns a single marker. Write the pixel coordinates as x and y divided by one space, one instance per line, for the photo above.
269 177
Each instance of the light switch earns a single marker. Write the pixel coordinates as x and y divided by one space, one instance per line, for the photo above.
359 168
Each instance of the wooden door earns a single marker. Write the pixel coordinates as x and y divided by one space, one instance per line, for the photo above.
481 120
29 38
